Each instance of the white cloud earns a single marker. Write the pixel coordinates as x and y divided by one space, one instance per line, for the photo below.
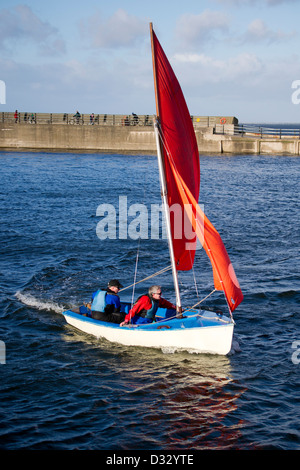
120 30
20 25
104 85
258 31
209 69
195 30
244 85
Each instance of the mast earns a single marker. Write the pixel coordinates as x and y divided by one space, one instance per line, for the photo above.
164 191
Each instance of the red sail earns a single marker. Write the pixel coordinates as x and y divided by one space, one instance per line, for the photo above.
182 170
180 148
223 272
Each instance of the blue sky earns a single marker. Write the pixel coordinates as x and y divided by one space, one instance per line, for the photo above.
232 57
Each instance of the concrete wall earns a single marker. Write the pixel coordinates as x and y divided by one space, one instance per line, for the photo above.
82 138
139 139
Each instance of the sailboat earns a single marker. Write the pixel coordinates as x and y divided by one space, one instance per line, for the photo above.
194 329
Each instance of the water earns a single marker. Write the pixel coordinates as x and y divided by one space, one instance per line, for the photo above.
62 389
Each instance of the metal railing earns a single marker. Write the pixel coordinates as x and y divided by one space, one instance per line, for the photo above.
101 119
261 132
76 119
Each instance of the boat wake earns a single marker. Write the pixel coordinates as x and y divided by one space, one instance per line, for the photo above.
31 301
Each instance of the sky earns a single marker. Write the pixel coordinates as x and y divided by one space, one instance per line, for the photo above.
232 57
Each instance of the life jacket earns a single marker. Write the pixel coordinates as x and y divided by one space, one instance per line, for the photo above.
99 302
150 314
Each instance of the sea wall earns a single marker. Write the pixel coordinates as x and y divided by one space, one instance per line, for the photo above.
133 139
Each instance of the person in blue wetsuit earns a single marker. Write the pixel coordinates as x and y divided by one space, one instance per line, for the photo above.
106 305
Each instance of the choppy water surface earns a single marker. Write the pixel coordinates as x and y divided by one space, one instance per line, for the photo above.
62 389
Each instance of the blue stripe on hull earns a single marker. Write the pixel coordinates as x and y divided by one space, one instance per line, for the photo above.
194 320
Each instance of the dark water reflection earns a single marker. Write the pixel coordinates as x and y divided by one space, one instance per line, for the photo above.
61 389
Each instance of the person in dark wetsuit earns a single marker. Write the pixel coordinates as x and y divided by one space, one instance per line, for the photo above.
106 304
145 308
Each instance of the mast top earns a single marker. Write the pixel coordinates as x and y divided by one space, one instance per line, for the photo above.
154 70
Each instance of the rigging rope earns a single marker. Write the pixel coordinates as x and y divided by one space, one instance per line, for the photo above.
163 270
136 261
190 308
200 302
135 271
195 282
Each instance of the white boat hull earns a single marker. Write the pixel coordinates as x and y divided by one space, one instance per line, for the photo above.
205 333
